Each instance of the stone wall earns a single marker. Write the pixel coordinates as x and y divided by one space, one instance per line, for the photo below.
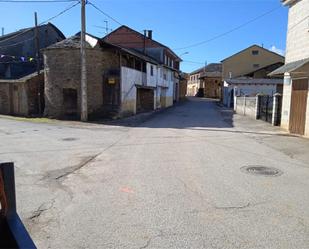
21 96
5 98
62 71
212 87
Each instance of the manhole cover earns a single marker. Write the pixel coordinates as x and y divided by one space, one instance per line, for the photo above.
261 170
69 139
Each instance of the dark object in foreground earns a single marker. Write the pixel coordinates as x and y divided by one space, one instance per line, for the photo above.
200 93
13 234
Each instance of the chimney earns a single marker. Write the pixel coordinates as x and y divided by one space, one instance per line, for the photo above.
150 34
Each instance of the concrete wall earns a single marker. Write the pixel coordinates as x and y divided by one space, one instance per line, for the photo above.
297 47
152 79
253 90
248 90
245 106
243 63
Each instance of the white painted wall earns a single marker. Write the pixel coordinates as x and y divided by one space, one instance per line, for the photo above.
163 87
152 79
253 90
246 89
129 78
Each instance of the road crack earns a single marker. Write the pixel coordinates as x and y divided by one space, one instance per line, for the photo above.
41 209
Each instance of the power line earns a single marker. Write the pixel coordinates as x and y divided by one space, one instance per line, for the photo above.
229 31
61 13
194 62
299 22
17 43
104 13
38 1
28 30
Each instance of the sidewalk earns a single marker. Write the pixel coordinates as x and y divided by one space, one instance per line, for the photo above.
294 146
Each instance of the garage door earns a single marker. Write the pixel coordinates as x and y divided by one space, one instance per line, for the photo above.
145 100
298 106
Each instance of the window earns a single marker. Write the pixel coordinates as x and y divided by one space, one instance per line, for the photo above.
164 76
256 65
255 52
151 70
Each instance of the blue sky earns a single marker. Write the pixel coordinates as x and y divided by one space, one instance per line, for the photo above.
176 23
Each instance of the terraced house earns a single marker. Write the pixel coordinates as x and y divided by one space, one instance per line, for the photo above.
295 103
122 80
168 62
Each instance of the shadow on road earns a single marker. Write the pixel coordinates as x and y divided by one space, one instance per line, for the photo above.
192 113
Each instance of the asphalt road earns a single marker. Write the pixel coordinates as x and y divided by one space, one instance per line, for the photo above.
174 181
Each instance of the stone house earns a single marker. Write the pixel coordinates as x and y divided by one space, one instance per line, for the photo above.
250 64
121 81
168 61
22 97
18 50
295 102
195 83
211 79
183 83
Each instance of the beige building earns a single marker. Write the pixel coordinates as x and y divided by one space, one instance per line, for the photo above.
194 82
211 79
248 60
295 105
254 62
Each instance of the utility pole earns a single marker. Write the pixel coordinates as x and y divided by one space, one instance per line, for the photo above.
2 31
84 97
37 56
37 43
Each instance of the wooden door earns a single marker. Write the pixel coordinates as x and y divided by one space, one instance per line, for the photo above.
298 106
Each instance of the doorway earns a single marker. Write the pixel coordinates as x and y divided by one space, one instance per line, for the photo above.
70 102
298 106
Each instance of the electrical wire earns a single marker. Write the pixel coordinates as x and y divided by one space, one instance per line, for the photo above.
229 31
104 13
38 1
61 13
30 29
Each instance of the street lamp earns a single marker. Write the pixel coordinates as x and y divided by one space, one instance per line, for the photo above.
183 54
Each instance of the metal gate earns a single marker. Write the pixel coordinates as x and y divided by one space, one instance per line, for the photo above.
266 108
